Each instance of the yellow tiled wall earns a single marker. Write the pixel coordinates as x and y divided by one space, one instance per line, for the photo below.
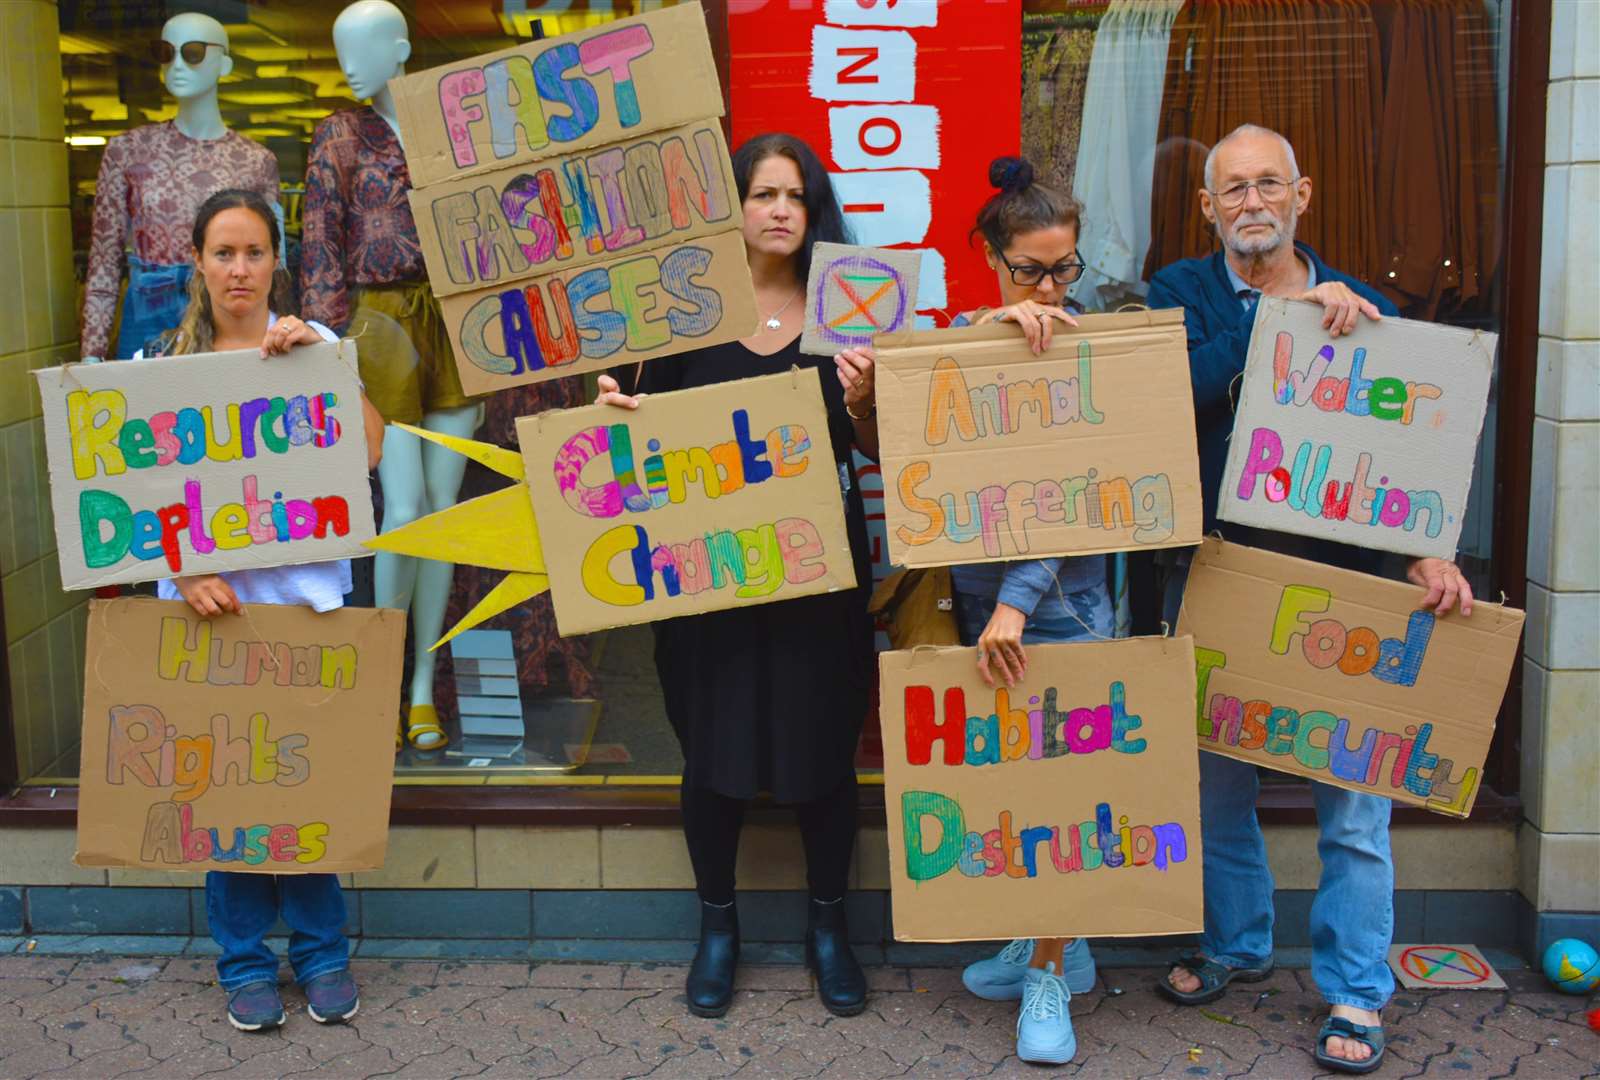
38 328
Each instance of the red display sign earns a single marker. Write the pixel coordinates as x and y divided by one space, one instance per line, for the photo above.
906 102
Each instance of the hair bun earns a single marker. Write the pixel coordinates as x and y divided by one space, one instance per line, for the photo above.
1011 173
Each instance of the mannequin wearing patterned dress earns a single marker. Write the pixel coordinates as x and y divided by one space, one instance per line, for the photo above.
152 181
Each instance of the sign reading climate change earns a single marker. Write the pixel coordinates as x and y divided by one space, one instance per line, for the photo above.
1066 806
1338 676
205 463
260 743
1369 440
575 202
716 497
991 453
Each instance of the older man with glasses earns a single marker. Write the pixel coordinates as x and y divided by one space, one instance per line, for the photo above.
1254 195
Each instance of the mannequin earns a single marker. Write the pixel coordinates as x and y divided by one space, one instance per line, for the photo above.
363 272
152 181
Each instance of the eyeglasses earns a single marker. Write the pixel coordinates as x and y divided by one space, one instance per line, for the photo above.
193 52
1064 272
1270 188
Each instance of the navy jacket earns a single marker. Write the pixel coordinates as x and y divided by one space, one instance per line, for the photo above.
1219 334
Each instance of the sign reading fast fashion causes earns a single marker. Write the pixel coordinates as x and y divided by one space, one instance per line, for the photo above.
1068 805
657 302
206 463
1338 676
1369 439
991 453
259 742
714 497
598 85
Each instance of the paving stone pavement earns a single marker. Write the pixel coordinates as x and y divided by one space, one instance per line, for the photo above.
162 1018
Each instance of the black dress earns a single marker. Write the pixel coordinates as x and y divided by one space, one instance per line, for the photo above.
769 697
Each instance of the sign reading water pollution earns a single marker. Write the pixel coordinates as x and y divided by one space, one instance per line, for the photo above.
991 453
259 742
715 497
575 202
1369 439
1066 806
1338 676
205 463
856 292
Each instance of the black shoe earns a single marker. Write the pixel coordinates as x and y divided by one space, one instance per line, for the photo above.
841 984
710 982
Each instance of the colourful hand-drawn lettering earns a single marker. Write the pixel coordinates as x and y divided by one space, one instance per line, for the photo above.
1010 733
170 836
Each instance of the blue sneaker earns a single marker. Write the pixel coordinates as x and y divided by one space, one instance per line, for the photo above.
332 998
999 978
255 1006
1044 1027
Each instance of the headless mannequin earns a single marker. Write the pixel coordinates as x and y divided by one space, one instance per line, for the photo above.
418 477
194 87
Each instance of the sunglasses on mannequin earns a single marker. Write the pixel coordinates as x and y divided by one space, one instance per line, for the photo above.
193 52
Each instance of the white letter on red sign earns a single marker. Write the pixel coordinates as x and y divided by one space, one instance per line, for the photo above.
881 12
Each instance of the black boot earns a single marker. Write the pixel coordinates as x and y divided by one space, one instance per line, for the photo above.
841 984
710 982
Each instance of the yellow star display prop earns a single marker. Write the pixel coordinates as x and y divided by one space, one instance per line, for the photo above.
496 531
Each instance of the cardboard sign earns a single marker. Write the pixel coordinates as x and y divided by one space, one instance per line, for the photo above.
716 497
651 304
991 453
1338 676
1369 440
855 293
1443 967
595 86
576 209
1067 806
204 463
260 742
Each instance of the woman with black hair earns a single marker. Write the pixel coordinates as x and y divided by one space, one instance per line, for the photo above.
771 698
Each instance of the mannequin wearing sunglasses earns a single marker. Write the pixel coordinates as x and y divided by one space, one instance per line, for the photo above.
362 273
152 181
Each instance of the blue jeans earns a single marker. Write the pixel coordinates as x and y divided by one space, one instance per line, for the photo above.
242 908
1352 917
1079 616
157 296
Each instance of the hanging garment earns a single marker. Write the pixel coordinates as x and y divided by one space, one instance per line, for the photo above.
1118 153
151 183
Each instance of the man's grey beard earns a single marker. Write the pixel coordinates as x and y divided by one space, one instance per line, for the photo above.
1283 233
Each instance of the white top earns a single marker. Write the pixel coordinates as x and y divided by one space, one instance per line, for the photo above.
320 586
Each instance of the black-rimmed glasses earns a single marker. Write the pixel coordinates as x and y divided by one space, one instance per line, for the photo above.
1064 272
193 52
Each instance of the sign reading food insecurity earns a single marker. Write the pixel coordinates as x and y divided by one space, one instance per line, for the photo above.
205 463
1369 439
1067 805
1340 677
575 202
992 453
259 742
703 499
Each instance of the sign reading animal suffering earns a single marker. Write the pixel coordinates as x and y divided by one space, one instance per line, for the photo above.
204 463
1068 805
715 497
1369 440
1339 676
990 452
259 742
854 293
575 202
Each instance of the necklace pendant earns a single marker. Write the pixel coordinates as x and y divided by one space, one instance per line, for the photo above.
774 324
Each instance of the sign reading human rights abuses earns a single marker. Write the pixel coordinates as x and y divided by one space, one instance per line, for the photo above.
259 742
575 201
992 453
1339 676
1066 806
703 499
1369 439
206 463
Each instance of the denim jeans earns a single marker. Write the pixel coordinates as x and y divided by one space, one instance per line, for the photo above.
242 908
155 301
1352 917
1079 616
